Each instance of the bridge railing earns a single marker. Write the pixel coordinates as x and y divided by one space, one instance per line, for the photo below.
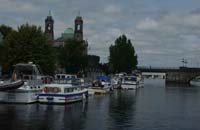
158 68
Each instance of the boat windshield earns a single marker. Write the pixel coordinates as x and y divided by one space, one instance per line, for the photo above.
196 79
26 69
130 78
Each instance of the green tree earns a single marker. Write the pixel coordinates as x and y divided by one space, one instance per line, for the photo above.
4 31
122 56
72 56
29 43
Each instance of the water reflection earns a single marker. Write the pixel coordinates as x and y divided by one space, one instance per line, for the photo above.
154 107
43 117
122 108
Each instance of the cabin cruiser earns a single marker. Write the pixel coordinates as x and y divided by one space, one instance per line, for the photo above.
116 82
129 82
69 78
140 80
101 85
63 90
195 81
25 85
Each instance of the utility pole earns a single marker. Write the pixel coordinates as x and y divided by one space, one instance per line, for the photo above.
184 61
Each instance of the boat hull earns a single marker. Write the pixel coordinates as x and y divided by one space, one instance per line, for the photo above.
129 86
62 98
99 90
19 96
193 83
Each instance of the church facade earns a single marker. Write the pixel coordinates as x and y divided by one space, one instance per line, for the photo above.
68 34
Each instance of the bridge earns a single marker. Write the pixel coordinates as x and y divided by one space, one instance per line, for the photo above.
174 75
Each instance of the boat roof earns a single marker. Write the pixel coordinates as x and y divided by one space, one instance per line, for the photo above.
25 64
27 68
104 78
61 85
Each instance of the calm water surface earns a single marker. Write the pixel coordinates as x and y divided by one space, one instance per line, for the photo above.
154 107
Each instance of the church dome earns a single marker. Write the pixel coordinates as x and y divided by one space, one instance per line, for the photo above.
68 34
69 31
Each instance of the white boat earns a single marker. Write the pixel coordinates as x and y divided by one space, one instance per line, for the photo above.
101 85
29 90
63 91
195 81
129 82
116 82
69 78
140 80
98 90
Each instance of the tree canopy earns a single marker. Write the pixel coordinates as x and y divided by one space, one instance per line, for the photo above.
29 43
122 55
5 30
72 56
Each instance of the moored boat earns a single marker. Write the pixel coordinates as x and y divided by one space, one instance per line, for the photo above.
10 85
101 85
116 82
140 80
129 82
195 81
63 91
24 86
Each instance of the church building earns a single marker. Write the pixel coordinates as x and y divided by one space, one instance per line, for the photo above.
68 34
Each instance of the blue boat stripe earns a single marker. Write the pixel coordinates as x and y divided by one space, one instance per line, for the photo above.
63 95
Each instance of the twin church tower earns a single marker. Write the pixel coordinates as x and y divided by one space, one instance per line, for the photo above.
69 33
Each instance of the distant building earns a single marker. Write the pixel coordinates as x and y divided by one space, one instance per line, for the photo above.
68 34
49 28
76 34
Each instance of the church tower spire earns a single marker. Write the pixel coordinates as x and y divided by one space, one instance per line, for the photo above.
49 27
78 29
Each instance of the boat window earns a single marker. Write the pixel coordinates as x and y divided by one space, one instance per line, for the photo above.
57 76
39 69
68 90
65 90
63 77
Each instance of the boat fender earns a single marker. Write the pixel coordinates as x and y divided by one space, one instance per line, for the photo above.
14 77
84 97
46 89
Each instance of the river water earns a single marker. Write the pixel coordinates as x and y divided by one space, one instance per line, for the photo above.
154 107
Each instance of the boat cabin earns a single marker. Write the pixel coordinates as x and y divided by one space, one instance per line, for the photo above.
129 79
58 88
26 71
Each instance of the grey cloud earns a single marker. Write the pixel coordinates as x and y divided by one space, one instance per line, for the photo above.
161 37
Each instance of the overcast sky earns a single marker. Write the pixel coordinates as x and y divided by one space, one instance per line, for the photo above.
162 31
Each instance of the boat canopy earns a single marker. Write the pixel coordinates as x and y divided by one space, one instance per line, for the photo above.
28 69
104 78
